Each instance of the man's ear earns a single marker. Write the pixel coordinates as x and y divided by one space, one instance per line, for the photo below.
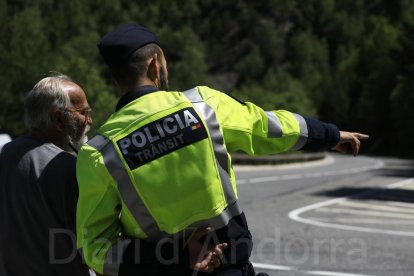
58 120
153 68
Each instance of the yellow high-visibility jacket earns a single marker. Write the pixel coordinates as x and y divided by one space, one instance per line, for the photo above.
161 165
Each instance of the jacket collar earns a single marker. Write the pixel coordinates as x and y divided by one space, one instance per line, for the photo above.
135 94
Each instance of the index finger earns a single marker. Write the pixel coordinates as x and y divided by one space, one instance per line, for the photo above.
203 264
361 136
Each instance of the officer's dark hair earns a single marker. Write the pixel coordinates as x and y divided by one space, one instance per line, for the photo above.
127 74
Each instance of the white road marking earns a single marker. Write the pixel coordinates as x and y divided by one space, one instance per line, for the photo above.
241 181
309 272
364 220
291 176
400 204
263 179
272 267
331 273
372 206
295 214
364 213
312 175
376 165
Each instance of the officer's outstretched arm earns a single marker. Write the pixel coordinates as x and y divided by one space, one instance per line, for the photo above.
247 127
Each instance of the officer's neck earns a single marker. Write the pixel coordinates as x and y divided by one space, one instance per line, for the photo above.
140 83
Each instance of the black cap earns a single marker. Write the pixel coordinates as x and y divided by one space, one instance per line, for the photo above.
116 46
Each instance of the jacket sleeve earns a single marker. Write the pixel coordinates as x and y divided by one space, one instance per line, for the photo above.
98 209
248 128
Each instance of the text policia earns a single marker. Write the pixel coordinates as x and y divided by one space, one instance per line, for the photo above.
161 137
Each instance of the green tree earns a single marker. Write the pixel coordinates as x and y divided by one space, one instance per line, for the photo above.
349 62
25 53
402 96
278 91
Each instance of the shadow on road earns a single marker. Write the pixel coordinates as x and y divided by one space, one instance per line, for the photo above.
371 193
400 168
392 168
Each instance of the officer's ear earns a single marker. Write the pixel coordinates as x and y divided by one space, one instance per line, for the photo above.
153 68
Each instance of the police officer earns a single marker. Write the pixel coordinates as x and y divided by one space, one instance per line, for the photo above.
160 166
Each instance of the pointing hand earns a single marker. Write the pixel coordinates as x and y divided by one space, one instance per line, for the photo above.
350 142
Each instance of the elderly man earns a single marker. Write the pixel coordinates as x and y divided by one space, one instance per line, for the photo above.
38 188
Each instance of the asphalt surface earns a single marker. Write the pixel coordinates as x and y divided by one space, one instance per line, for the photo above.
340 216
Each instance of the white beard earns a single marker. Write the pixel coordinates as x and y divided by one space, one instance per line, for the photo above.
77 144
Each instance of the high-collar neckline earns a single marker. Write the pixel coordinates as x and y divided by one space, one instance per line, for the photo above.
135 94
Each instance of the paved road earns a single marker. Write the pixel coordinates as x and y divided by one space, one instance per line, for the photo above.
341 216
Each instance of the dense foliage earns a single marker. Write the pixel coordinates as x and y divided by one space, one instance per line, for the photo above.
348 62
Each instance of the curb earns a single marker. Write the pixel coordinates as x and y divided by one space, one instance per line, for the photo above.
244 159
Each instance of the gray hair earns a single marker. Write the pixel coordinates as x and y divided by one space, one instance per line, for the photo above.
46 96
